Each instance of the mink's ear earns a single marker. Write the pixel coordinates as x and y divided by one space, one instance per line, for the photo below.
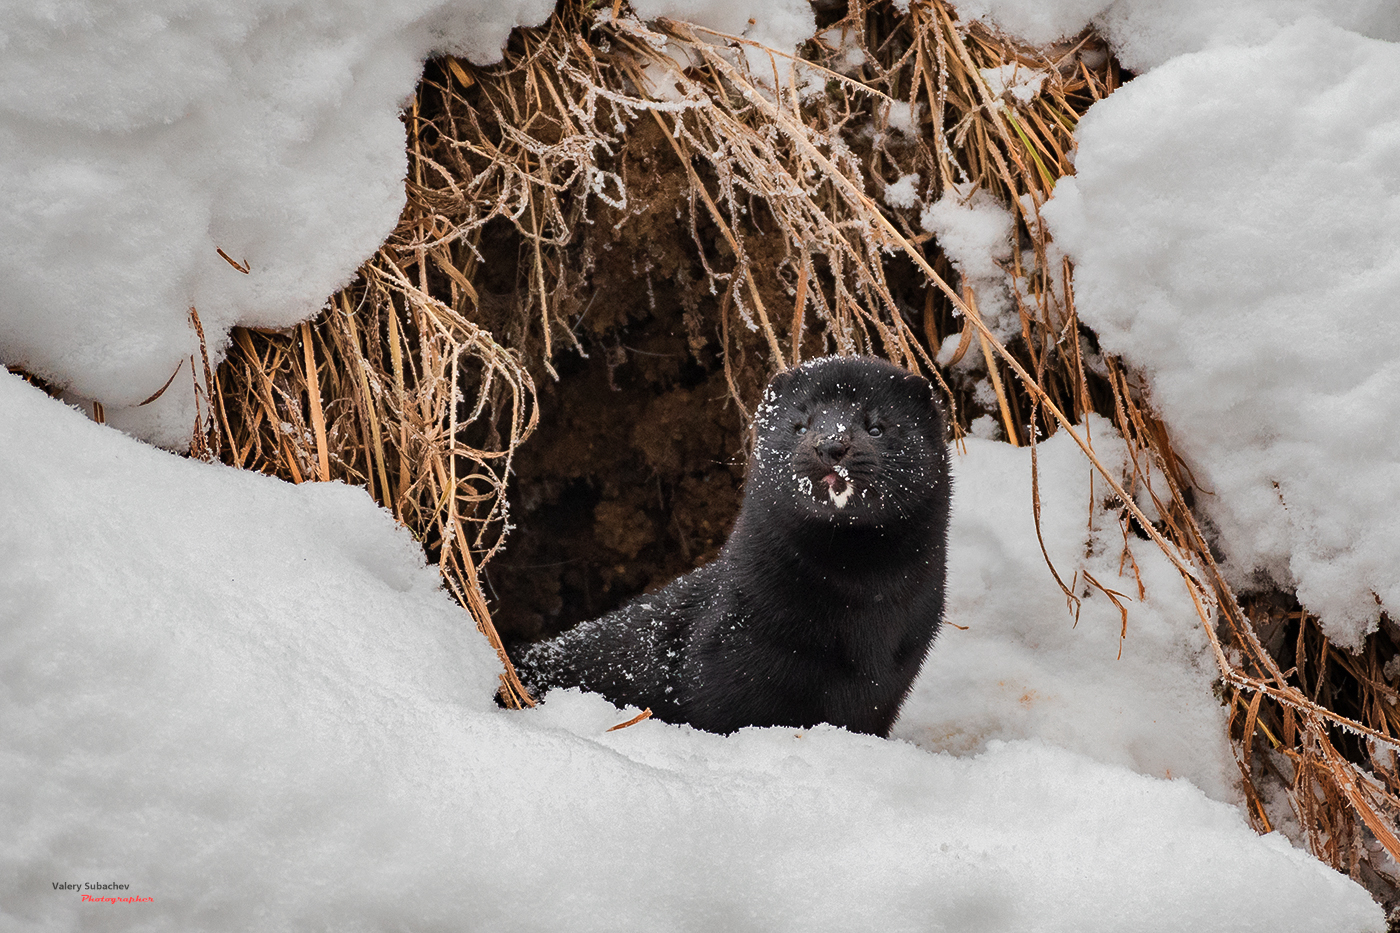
919 389
922 393
780 383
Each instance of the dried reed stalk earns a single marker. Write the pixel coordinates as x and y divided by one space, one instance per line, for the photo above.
381 377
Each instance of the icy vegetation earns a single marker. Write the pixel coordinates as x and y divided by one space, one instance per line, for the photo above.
252 703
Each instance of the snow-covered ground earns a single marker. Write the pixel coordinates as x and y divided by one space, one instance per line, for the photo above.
252 703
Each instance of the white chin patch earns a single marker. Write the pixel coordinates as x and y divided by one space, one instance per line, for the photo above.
839 499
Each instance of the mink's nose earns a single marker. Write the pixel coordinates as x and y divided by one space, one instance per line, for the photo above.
833 447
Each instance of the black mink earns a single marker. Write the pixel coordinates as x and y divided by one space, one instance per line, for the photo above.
829 591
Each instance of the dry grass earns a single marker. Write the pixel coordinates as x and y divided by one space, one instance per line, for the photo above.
393 390
416 382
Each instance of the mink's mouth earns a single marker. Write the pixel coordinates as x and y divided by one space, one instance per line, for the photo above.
838 487
831 487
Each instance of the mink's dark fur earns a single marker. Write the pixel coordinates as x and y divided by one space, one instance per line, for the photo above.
828 593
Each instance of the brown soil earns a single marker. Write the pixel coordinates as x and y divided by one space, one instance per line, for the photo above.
632 479
633 476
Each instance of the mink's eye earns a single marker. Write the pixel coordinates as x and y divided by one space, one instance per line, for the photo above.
799 429
874 430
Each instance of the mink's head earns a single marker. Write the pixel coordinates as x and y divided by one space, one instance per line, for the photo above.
849 441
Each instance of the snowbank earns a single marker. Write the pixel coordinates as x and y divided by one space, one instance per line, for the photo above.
1233 227
1147 33
251 703
1024 667
140 139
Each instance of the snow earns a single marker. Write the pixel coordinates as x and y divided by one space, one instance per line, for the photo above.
903 191
974 231
1024 667
252 703
846 41
1022 83
777 24
1147 33
139 139
904 117
1232 224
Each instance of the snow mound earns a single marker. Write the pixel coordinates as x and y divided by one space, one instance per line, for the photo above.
1025 667
1147 33
1233 227
140 139
251 703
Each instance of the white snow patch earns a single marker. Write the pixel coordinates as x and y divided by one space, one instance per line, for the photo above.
986 427
1036 21
1233 227
1146 33
1024 667
845 42
903 193
139 139
948 348
904 117
781 25
975 231
1022 84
